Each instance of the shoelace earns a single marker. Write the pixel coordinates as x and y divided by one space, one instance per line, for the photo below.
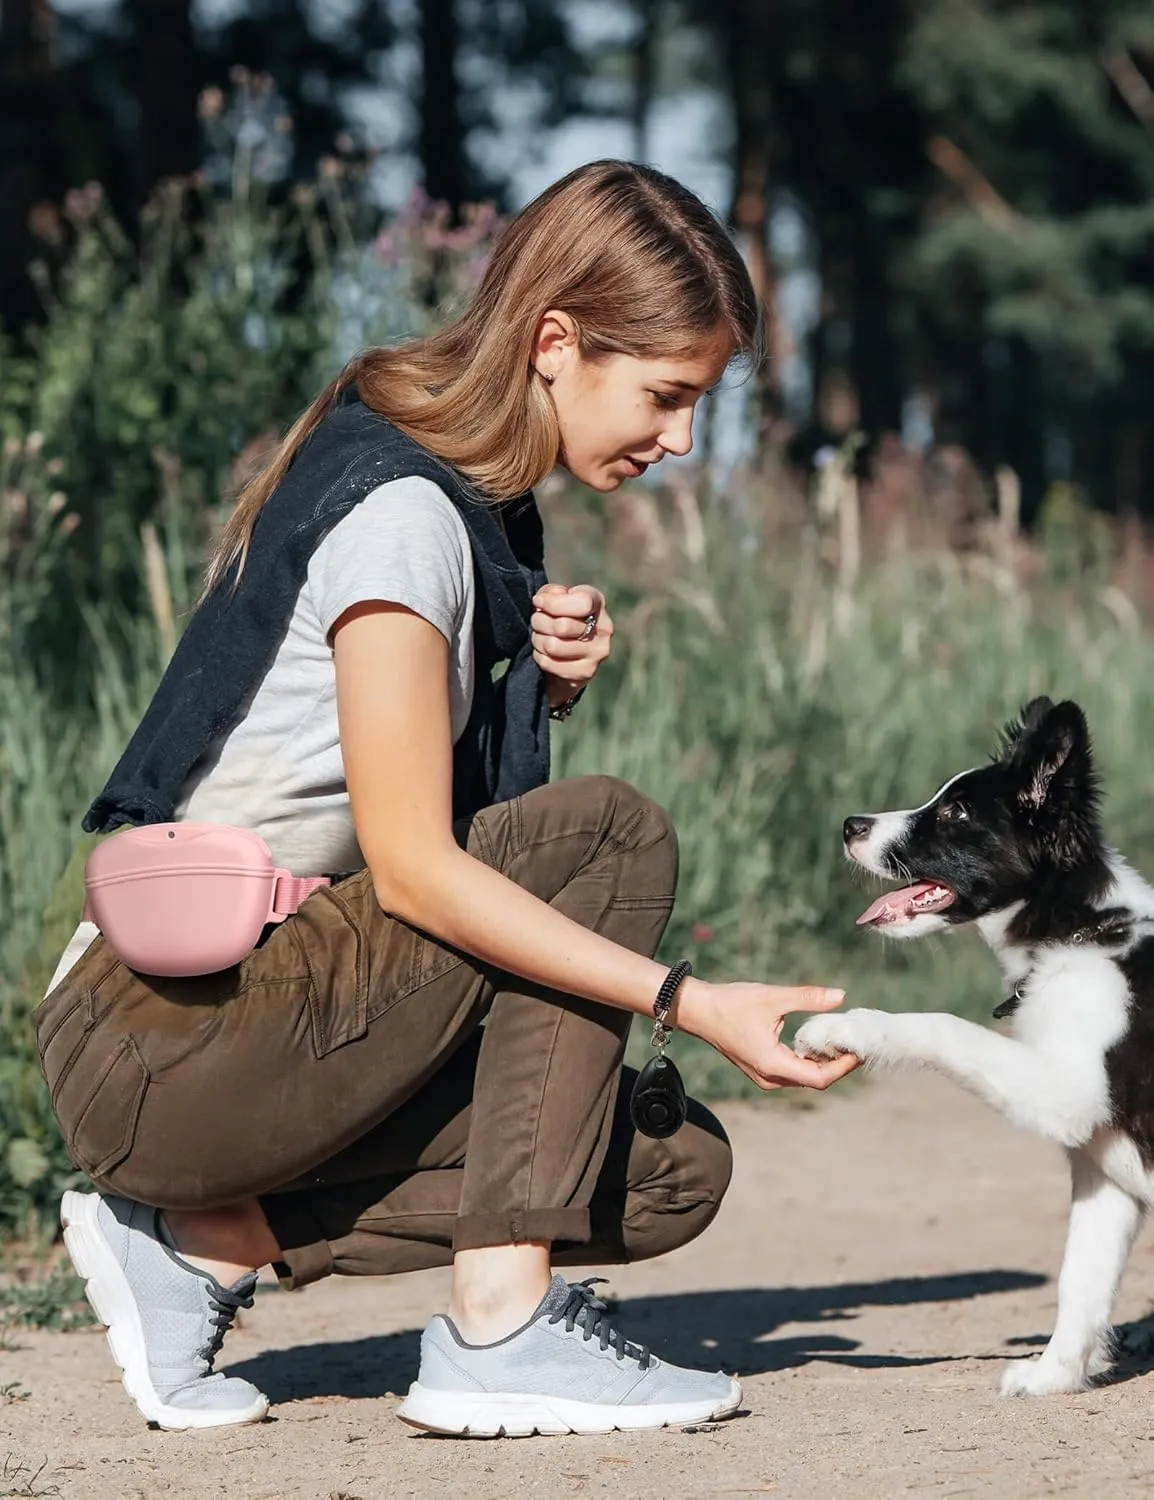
585 1311
225 1305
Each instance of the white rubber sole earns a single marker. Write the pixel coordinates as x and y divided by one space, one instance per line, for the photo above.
474 1414
112 1301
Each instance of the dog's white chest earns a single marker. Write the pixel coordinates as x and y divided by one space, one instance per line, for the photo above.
1074 1006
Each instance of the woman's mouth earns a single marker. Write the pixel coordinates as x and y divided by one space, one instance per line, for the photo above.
635 467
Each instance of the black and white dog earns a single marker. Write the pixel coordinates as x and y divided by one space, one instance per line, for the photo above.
1016 847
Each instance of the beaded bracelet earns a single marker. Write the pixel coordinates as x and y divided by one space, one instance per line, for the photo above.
665 996
562 711
657 1105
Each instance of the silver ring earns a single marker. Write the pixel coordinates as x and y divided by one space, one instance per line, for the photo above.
590 628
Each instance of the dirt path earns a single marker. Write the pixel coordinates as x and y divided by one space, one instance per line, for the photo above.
880 1255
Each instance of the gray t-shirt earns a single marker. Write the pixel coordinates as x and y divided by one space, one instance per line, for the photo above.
278 770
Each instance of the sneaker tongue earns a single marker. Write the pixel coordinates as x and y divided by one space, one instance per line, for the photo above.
555 1298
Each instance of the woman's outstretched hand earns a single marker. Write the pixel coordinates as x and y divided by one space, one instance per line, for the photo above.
744 1022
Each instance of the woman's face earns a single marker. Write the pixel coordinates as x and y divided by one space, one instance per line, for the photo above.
618 414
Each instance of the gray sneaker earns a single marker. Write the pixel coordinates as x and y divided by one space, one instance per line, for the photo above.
567 1370
165 1319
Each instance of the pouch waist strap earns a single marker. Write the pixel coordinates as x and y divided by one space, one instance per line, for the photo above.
291 890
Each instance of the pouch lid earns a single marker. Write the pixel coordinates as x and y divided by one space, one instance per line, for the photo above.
184 848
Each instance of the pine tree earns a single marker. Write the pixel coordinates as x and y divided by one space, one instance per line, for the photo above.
1034 266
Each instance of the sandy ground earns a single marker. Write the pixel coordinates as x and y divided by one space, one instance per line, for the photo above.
882 1252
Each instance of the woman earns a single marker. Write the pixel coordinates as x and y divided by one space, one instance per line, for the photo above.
332 1104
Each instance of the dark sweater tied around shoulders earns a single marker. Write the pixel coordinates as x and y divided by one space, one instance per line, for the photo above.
232 637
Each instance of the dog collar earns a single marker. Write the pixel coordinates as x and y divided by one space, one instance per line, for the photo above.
1112 926
1010 1004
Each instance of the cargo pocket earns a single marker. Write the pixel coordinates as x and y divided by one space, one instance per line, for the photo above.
433 961
60 1036
64 1021
106 1121
335 952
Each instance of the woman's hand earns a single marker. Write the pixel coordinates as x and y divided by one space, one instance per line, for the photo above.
744 1022
572 632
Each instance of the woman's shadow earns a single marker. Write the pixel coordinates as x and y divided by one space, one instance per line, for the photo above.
731 1329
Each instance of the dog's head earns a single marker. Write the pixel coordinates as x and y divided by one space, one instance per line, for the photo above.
1022 829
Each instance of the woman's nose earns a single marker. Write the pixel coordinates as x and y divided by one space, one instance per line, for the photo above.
678 435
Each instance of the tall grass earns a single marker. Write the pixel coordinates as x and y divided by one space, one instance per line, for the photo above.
741 695
762 704
770 675
51 761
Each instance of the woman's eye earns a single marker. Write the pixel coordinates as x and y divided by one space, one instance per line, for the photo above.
665 401
952 812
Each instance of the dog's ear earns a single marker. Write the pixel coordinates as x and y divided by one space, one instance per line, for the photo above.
1051 761
1029 720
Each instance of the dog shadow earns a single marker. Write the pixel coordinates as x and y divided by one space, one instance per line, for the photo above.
1134 1349
732 1329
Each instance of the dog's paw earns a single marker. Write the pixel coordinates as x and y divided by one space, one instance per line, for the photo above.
856 1031
1035 1377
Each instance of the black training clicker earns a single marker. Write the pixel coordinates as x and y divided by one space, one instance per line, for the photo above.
657 1105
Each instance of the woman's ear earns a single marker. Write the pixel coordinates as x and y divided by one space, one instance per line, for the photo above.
554 343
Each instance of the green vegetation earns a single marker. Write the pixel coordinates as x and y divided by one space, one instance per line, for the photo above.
764 682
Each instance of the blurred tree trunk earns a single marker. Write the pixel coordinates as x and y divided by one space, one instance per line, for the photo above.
747 43
973 406
1026 449
874 354
835 395
26 132
644 59
869 155
441 144
1129 445
165 76
881 133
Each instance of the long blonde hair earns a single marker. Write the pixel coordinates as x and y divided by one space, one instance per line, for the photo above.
637 261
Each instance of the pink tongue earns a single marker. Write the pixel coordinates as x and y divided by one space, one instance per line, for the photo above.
895 906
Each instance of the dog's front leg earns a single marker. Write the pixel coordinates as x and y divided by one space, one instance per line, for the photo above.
1103 1223
1064 1100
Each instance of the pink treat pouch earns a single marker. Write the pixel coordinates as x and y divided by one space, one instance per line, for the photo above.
187 898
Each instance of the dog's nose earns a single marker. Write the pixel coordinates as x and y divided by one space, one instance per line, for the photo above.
856 828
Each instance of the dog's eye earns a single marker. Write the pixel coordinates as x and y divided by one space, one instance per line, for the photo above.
952 812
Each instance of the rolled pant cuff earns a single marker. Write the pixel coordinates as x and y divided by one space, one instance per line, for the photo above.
305 1254
479 1231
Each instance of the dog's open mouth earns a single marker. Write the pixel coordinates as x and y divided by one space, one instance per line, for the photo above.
904 905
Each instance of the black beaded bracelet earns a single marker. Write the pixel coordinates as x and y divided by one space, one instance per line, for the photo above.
562 710
665 995
657 1105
